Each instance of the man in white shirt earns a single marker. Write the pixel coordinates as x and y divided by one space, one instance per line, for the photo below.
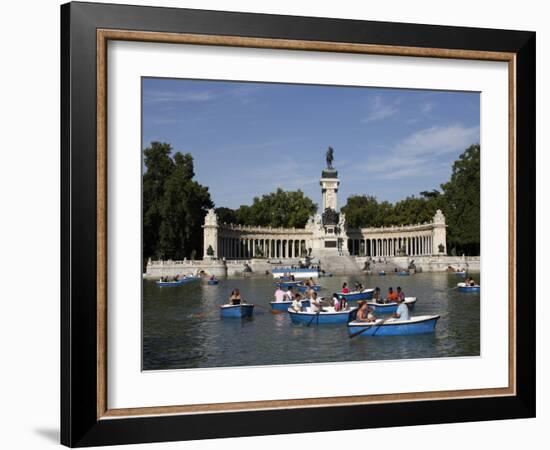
402 312
289 295
279 295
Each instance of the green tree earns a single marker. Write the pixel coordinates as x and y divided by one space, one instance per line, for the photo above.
277 209
462 203
175 204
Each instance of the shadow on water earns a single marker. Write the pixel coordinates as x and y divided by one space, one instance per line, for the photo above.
182 327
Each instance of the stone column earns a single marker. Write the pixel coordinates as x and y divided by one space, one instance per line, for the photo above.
210 233
439 234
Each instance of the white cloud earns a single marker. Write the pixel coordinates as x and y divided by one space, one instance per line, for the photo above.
427 107
380 110
178 97
417 154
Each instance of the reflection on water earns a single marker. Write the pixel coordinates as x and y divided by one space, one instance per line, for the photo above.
182 327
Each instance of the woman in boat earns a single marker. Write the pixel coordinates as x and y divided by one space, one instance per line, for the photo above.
235 298
364 313
335 302
471 282
345 289
289 294
400 293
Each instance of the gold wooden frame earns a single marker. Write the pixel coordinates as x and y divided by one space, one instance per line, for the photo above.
103 36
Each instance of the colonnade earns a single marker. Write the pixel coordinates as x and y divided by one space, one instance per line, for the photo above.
244 247
417 245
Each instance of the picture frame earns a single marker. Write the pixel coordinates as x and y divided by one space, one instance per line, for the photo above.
86 418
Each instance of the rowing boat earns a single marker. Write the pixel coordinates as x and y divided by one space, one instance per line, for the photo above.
179 282
394 327
463 287
328 316
283 306
389 308
241 310
365 294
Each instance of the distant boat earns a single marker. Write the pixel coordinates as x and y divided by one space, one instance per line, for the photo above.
463 287
461 273
394 327
328 316
179 282
365 294
389 308
303 287
403 273
304 272
382 273
238 311
283 306
213 282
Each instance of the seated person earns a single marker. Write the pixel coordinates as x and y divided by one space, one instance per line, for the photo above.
471 282
400 293
376 296
279 294
364 313
402 312
345 289
235 297
392 296
336 302
297 303
289 295
316 303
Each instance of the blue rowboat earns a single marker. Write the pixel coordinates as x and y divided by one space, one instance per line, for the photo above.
390 308
180 282
463 287
394 327
304 272
403 273
283 306
288 284
382 273
213 282
238 311
365 294
303 287
328 316
461 273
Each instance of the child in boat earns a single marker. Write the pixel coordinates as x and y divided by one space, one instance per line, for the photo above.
235 298
345 289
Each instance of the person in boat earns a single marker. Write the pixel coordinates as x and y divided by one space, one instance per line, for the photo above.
279 294
292 278
289 294
358 287
212 278
400 293
392 296
176 278
376 295
297 303
235 297
471 282
345 289
364 313
335 302
402 312
309 282
316 303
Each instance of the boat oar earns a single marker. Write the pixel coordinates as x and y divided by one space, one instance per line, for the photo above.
368 327
313 318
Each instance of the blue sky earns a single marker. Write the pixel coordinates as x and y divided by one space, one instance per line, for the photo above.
247 139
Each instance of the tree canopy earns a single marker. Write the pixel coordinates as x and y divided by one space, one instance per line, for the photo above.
459 199
276 209
174 205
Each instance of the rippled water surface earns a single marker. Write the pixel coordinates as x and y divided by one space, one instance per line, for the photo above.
182 327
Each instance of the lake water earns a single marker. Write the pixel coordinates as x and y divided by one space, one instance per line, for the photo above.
182 327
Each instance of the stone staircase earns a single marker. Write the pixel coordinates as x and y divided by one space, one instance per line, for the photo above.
340 265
